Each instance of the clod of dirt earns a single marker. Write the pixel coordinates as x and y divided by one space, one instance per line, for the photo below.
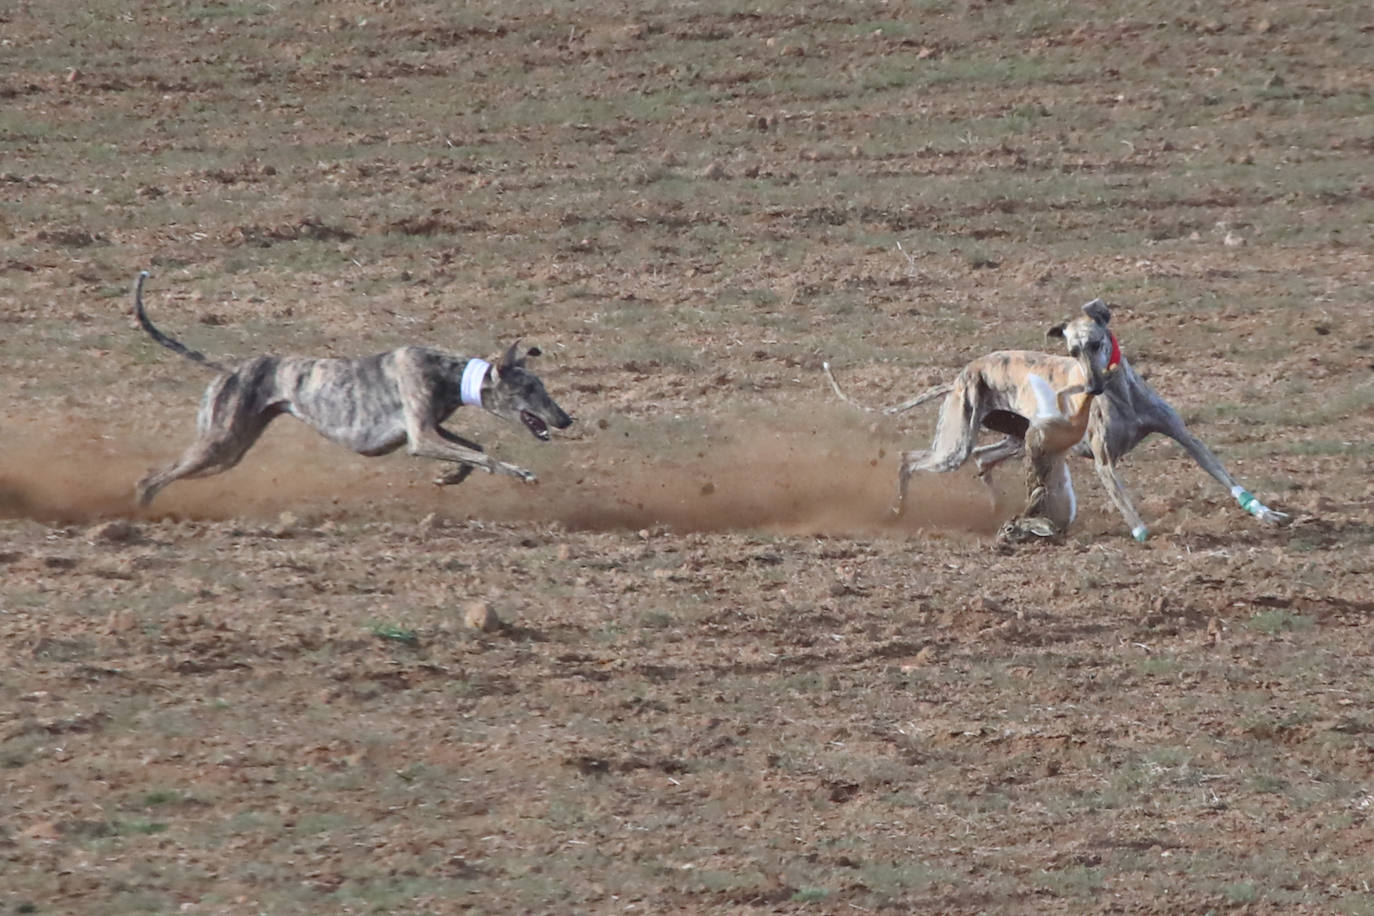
432 224
1215 628
478 615
121 620
70 238
117 531
433 522
920 660
715 172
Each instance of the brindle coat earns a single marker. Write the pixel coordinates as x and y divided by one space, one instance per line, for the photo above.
372 405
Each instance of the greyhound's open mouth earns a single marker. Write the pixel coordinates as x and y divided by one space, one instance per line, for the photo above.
535 425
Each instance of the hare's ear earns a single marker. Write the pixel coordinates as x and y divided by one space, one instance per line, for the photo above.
1097 310
1057 331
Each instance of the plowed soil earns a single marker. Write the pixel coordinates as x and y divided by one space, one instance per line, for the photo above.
699 666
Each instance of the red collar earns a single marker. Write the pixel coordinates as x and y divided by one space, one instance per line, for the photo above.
1115 359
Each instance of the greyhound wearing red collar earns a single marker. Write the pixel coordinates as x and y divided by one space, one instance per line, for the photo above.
995 392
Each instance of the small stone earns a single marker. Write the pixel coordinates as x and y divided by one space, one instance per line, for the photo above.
121 620
563 553
920 660
286 526
116 531
479 616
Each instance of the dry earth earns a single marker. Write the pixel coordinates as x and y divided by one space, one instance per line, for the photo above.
725 679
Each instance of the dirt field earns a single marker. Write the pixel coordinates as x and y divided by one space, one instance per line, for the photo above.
727 680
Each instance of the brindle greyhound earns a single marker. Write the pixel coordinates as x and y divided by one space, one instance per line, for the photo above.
993 392
372 405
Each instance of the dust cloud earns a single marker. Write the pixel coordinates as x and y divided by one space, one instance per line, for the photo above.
819 482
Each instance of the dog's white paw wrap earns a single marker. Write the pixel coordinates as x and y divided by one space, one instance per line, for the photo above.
474 374
1256 508
1140 533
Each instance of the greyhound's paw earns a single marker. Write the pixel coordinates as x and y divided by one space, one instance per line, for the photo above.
1256 508
527 476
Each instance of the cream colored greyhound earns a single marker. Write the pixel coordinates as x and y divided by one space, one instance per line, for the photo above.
994 392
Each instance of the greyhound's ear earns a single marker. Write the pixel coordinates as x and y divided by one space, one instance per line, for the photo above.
511 358
1057 331
533 351
1097 310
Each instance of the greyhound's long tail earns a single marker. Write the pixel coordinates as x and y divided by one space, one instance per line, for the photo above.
175 346
924 397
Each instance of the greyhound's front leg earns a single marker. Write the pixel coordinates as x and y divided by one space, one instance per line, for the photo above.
1061 399
1116 490
459 474
441 445
1172 426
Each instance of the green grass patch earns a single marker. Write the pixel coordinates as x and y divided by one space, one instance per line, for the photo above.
392 632
1277 620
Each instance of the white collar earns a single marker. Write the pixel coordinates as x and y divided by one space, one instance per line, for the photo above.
474 374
